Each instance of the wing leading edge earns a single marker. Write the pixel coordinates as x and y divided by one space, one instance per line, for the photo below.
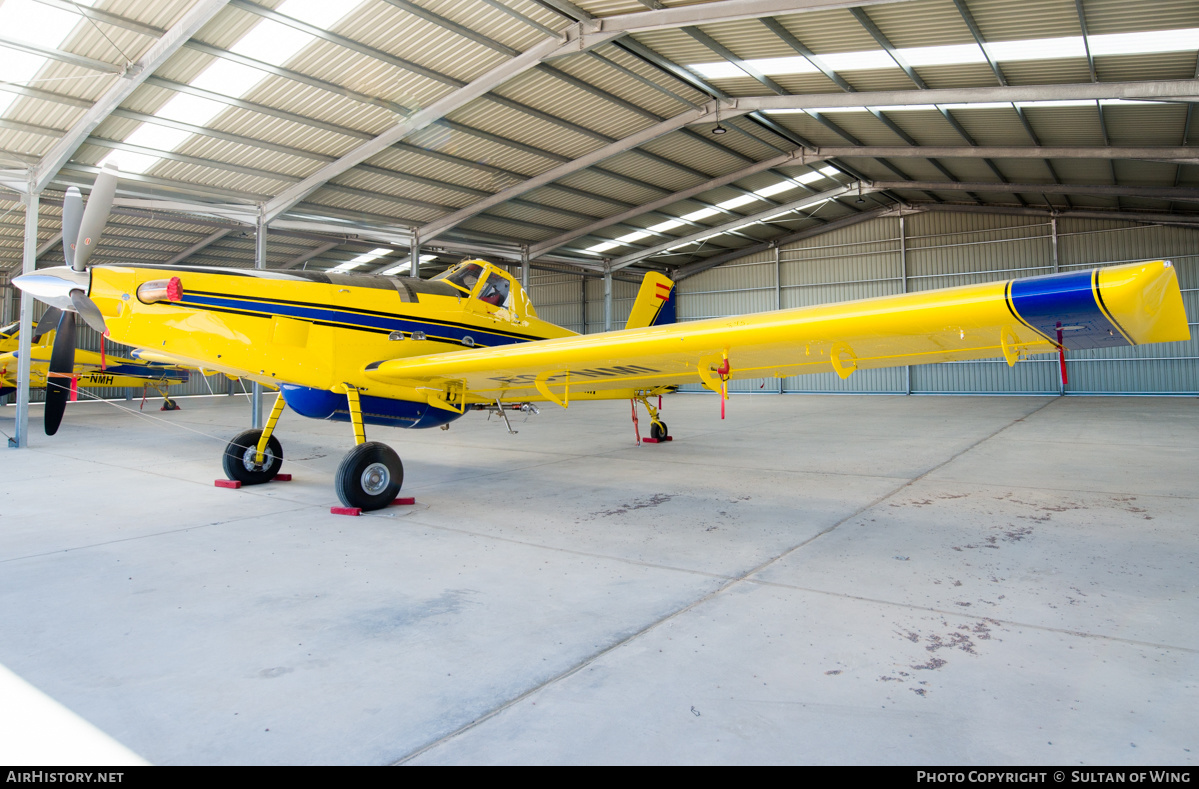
1121 305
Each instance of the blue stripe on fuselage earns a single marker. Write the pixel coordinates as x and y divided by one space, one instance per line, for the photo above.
382 323
144 371
1066 302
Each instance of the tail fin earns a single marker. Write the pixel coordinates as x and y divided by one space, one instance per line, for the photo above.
655 292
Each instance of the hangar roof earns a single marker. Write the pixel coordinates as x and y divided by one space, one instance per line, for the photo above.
668 134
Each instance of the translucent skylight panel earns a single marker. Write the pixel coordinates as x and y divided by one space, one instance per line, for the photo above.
1038 49
37 24
951 55
604 247
857 61
228 78
1150 41
271 42
186 108
773 189
737 202
19 66
268 41
318 13
160 138
702 213
982 105
406 265
788 65
829 171
148 135
130 162
636 236
717 70
669 224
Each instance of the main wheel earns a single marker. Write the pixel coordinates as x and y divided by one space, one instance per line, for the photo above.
370 476
239 458
657 431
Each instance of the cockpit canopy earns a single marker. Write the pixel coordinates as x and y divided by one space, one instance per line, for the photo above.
491 286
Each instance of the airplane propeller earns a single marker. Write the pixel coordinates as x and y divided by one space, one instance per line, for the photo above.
81 229
47 323
62 365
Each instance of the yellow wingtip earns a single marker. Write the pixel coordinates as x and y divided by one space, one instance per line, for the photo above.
1144 298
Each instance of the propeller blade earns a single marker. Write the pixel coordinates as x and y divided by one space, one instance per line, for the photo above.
72 216
62 365
90 312
95 216
47 323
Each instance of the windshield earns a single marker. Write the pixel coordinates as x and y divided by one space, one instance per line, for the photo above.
465 276
10 329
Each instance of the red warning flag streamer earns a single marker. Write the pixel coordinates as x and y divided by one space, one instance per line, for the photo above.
74 388
1061 355
723 372
636 427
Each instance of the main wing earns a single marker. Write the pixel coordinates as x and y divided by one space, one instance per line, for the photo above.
1110 307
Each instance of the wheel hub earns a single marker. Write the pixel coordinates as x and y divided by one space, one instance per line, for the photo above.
247 458
375 479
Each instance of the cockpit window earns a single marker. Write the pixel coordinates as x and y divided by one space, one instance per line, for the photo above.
10 329
465 276
495 291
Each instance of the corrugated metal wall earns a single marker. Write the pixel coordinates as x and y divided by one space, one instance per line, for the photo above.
558 298
945 249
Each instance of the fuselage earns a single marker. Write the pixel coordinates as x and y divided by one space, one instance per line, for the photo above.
309 332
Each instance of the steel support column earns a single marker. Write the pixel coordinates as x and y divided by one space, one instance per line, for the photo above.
260 263
903 264
1061 387
414 255
20 440
607 296
524 267
778 293
1053 237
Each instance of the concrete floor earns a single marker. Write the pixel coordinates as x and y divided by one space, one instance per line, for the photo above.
814 580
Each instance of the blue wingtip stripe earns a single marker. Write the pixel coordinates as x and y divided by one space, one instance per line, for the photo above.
1069 303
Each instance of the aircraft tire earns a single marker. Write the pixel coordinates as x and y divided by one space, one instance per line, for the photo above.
657 431
238 459
369 477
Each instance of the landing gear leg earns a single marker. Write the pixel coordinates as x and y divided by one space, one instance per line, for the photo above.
371 474
255 456
657 428
167 403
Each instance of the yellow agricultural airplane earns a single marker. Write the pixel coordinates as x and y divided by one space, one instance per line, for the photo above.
420 353
90 369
